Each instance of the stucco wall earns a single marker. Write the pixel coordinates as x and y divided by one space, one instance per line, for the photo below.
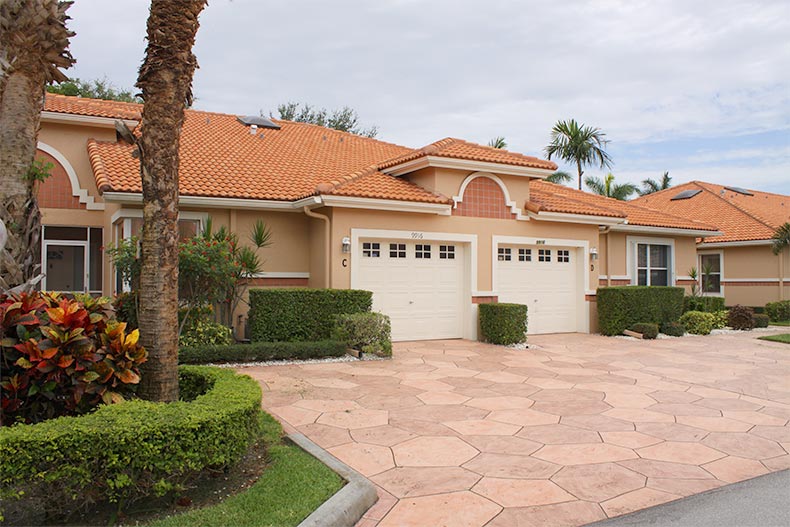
751 274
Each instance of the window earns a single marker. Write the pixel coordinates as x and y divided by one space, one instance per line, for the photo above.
504 254
371 249
447 252
544 255
710 273
73 259
525 255
422 251
397 250
563 256
652 264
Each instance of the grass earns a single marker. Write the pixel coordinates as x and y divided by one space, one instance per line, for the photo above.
292 486
780 323
783 338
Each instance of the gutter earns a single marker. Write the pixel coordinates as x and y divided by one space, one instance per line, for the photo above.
327 244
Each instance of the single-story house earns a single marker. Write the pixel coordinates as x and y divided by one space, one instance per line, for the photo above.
433 231
738 264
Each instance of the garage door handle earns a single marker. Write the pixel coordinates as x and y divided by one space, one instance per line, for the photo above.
411 301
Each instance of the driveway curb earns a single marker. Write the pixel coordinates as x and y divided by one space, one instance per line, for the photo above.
347 506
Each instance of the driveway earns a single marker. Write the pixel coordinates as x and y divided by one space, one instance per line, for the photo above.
578 429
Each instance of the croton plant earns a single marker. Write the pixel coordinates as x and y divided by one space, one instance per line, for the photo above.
63 356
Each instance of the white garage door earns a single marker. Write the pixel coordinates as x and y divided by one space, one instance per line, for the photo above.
545 279
418 284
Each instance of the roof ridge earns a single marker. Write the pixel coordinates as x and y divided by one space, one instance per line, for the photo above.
575 200
740 209
341 181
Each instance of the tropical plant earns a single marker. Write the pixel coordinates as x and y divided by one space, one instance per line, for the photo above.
498 142
651 185
34 44
560 177
578 144
781 238
94 89
607 187
344 119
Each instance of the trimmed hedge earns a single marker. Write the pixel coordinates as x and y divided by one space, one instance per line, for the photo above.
366 332
503 323
278 315
778 311
648 330
761 320
261 351
621 307
741 317
124 452
673 329
706 304
721 319
698 322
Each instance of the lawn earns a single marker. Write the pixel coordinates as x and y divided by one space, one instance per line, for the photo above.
783 338
780 323
292 486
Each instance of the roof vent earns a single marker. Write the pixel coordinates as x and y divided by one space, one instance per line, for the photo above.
740 190
686 194
259 121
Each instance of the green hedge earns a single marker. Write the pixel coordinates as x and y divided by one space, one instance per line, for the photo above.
761 320
503 323
706 304
127 451
366 332
698 322
261 351
301 314
778 311
623 306
673 329
648 330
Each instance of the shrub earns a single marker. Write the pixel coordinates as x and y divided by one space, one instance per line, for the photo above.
62 356
367 332
648 330
698 322
741 317
621 307
778 311
125 305
301 314
721 319
761 320
261 351
673 329
503 324
707 304
202 332
124 452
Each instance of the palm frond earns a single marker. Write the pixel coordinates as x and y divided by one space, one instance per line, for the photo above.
261 234
498 142
560 177
781 238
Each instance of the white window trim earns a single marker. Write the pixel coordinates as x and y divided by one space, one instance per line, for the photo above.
128 214
72 243
700 254
631 243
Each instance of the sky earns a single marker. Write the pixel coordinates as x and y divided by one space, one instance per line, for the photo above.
698 88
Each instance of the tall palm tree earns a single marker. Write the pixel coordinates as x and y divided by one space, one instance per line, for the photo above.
651 185
34 43
560 177
781 238
578 144
165 79
607 187
498 142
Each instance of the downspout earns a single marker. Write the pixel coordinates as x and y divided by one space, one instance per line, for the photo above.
608 244
782 275
327 241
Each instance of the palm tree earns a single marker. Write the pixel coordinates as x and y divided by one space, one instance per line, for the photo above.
607 187
165 79
578 144
498 142
651 185
34 43
781 238
560 177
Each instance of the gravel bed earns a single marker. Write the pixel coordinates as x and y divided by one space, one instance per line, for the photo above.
344 358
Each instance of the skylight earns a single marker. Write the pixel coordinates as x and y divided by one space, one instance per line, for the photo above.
740 190
257 120
686 194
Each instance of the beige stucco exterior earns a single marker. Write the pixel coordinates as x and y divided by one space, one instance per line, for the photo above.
751 274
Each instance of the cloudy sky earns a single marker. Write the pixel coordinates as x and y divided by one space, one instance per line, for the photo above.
697 88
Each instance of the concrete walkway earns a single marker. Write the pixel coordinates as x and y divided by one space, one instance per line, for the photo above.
579 429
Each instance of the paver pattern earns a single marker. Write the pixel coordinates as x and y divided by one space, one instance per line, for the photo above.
576 429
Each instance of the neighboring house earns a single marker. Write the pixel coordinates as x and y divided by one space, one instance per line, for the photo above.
739 264
432 231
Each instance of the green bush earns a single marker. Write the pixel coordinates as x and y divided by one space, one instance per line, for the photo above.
707 304
623 306
301 314
261 351
721 319
698 322
741 317
124 452
648 330
778 311
761 320
205 333
503 323
367 332
673 329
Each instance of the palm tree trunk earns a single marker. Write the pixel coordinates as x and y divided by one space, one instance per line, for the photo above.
579 169
166 81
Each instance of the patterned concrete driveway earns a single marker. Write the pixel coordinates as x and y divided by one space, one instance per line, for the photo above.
578 429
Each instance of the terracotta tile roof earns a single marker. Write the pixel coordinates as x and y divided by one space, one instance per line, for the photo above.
550 197
91 107
738 216
460 149
372 183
